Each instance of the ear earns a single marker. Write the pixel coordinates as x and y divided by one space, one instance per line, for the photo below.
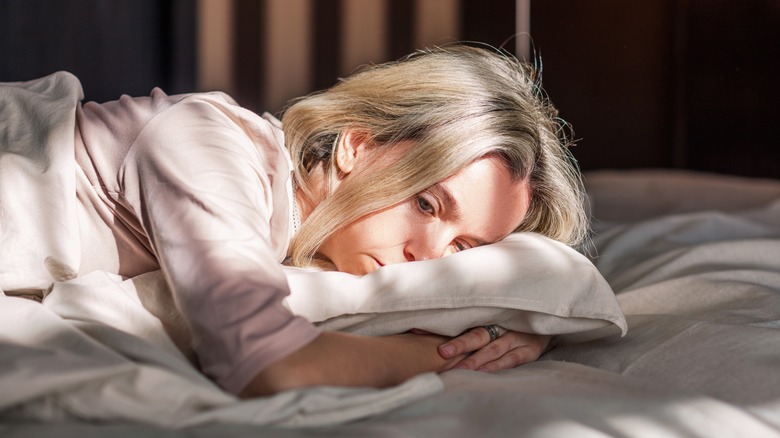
350 149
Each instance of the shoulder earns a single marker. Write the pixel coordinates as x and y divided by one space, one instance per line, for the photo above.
210 124
217 119
215 110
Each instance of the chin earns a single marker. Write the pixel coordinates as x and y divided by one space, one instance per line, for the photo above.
360 264
365 265
358 272
349 268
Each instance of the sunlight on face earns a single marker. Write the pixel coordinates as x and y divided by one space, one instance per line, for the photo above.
480 204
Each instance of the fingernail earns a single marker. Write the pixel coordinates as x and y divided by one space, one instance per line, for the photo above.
447 350
461 366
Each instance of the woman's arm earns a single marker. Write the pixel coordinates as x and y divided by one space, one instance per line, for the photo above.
210 191
342 359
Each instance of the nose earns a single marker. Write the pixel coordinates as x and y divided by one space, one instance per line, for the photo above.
426 246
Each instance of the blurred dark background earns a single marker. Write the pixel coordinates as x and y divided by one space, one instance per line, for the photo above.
113 46
688 84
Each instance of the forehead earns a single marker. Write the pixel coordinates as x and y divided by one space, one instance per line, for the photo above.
489 203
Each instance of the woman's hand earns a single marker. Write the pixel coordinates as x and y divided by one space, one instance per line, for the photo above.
509 350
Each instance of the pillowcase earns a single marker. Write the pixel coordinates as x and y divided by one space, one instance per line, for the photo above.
526 282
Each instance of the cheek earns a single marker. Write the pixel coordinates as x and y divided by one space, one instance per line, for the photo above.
385 228
352 238
396 222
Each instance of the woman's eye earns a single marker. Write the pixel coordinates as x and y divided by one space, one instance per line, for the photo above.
460 246
424 205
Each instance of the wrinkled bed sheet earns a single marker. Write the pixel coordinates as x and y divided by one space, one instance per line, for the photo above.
694 260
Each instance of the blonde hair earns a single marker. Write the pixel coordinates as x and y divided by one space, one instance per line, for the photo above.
453 105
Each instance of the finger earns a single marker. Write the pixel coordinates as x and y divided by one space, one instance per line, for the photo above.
510 350
512 359
486 354
467 342
528 348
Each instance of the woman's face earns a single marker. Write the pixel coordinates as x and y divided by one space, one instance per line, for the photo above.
480 204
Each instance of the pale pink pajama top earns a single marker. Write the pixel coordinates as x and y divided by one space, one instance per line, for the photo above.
201 188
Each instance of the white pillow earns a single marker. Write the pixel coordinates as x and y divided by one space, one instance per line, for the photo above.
527 283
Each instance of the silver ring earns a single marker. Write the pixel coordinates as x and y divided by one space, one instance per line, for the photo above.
492 331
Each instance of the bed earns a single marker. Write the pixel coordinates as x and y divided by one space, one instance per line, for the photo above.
666 325
691 257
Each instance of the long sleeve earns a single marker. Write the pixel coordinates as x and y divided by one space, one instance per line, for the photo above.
204 179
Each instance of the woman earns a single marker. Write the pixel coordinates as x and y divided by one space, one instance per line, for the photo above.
442 151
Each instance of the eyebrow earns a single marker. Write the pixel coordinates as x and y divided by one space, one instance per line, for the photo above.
452 205
450 202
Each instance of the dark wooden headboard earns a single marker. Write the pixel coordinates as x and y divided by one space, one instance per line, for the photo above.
691 84
688 84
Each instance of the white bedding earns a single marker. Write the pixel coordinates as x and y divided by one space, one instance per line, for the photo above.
101 348
104 348
697 275
694 260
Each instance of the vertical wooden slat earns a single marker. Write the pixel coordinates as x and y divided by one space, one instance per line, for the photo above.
215 46
288 51
248 68
326 42
490 22
523 30
181 31
363 37
400 27
437 22
680 121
